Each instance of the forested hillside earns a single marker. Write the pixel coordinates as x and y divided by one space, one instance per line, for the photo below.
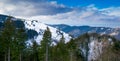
14 46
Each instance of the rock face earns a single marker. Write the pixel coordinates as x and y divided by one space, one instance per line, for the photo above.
93 45
96 48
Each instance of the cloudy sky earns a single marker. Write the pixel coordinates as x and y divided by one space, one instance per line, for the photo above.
105 13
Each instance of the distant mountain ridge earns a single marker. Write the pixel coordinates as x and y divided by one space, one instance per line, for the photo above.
76 31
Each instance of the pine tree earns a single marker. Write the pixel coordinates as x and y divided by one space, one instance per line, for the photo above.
19 42
13 40
45 45
8 36
35 50
72 49
61 53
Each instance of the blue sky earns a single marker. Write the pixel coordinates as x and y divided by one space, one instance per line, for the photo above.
101 13
97 3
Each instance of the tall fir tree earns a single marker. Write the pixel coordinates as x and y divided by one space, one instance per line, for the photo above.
35 52
13 40
60 51
8 37
71 49
45 45
20 42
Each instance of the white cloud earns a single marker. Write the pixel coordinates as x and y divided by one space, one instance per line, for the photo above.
113 11
54 13
12 9
28 8
88 16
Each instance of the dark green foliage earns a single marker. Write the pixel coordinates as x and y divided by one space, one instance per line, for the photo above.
31 34
3 17
60 52
74 51
35 51
1 25
116 47
45 46
71 45
12 40
19 24
8 37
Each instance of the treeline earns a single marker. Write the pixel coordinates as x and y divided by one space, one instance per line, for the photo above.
14 47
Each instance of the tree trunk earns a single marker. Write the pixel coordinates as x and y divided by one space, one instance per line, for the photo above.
5 57
20 57
37 58
46 59
9 54
71 56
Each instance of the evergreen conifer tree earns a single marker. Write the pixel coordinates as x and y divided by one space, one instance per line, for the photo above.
7 37
35 50
61 52
45 45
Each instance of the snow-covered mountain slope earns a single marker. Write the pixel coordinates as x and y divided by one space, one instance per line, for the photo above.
35 29
41 27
